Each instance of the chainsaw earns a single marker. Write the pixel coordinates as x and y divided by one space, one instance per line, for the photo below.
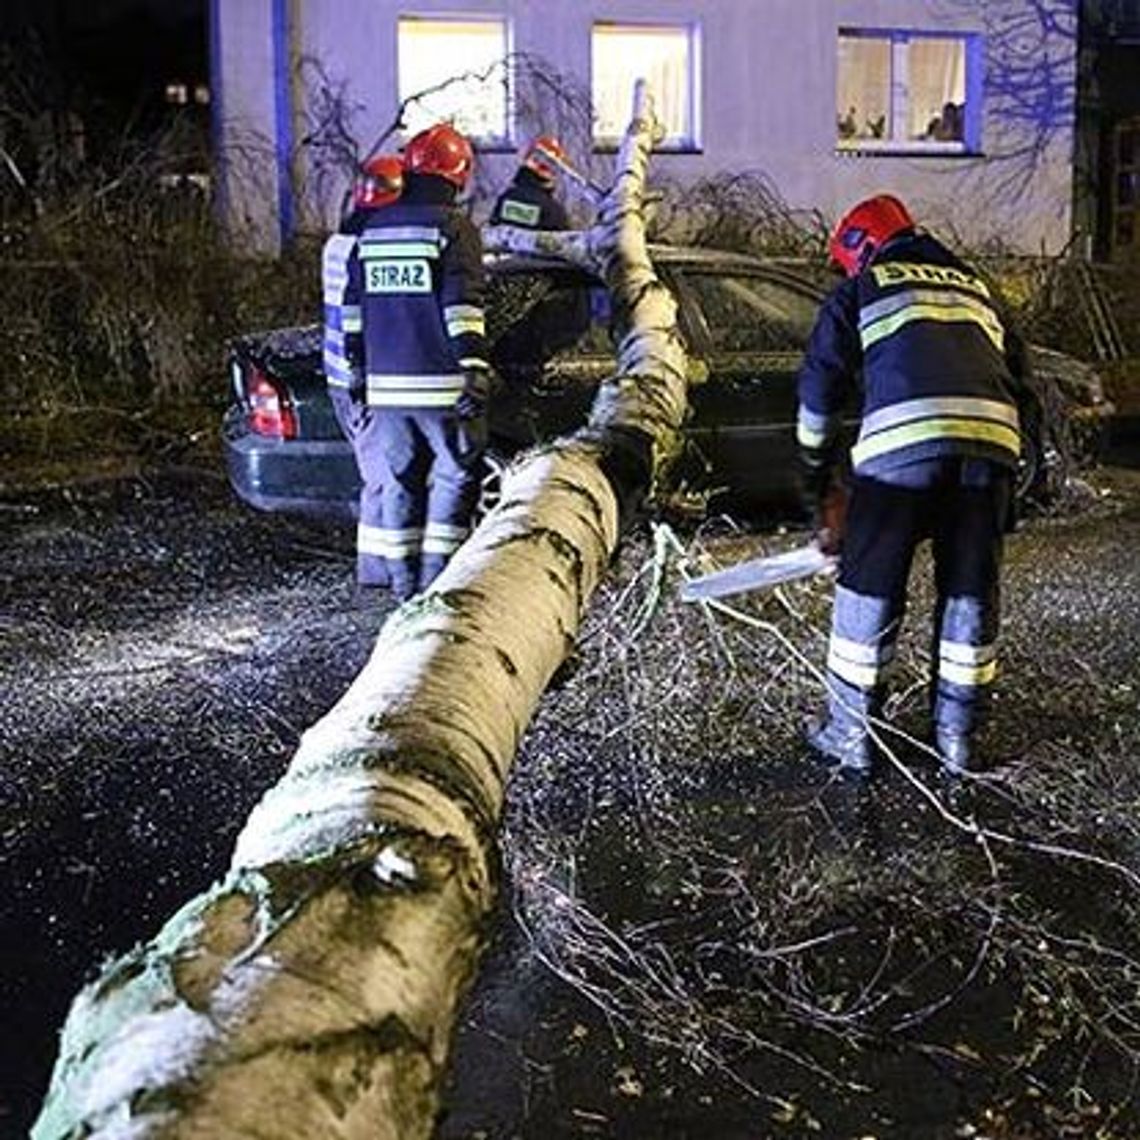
820 556
759 573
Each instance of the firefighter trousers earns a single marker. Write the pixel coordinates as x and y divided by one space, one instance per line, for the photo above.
429 473
962 506
360 425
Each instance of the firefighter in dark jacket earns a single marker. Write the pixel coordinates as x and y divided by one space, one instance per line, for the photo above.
529 200
937 448
377 185
416 273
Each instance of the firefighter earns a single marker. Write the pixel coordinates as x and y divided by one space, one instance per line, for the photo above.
938 444
416 273
377 184
529 200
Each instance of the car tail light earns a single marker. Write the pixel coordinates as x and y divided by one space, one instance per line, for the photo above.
270 413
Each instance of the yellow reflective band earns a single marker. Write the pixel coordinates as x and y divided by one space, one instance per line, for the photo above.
372 248
452 381
959 673
411 399
446 530
435 545
456 326
966 652
388 543
900 272
948 314
943 427
809 437
861 676
926 407
858 663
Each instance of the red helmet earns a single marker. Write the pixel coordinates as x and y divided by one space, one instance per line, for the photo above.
861 232
379 182
544 156
443 151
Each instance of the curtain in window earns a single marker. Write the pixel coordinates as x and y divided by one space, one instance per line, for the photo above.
863 95
936 89
663 56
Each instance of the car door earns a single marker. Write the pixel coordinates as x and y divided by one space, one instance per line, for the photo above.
751 329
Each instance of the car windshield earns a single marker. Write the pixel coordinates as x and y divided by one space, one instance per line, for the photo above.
751 313
536 316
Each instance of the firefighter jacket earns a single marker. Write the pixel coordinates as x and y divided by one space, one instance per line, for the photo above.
940 371
415 273
530 204
341 320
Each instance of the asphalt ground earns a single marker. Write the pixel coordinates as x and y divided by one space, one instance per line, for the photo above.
164 647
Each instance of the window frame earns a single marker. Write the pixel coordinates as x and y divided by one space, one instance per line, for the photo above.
899 103
692 143
486 143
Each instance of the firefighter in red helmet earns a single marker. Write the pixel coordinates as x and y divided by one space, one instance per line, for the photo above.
945 399
416 275
379 182
529 201
441 152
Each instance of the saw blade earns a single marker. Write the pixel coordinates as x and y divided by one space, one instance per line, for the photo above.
758 573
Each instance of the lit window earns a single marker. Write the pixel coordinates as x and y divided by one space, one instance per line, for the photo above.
176 93
201 95
667 58
454 70
908 91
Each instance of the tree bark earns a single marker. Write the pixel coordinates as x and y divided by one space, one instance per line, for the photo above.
313 992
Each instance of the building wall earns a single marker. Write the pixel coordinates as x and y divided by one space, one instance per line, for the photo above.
768 100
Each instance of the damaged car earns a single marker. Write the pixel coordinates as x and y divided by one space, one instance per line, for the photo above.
745 322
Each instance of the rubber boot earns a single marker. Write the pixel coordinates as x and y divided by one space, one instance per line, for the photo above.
955 749
841 738
372 572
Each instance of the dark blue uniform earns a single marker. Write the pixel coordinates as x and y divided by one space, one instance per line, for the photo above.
415 276
938 444
528 202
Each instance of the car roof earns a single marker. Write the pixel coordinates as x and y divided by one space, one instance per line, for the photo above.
789 271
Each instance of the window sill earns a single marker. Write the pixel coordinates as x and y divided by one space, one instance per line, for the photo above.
891 148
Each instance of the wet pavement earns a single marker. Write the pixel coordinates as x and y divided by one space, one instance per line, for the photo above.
162 651
705 934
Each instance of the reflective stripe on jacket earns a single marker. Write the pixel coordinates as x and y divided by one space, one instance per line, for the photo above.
417 275
924 333
341 317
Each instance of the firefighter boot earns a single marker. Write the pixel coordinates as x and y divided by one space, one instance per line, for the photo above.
842 739
955 749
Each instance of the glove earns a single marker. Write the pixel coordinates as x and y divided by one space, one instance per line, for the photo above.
829 519
472 402
825 502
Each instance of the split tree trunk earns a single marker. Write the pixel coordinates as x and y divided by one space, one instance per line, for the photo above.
313 992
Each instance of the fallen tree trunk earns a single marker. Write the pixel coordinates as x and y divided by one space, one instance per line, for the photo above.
313 992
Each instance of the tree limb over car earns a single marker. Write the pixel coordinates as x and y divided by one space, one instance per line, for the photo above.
313 991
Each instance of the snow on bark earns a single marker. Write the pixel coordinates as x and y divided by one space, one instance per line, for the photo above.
313 991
